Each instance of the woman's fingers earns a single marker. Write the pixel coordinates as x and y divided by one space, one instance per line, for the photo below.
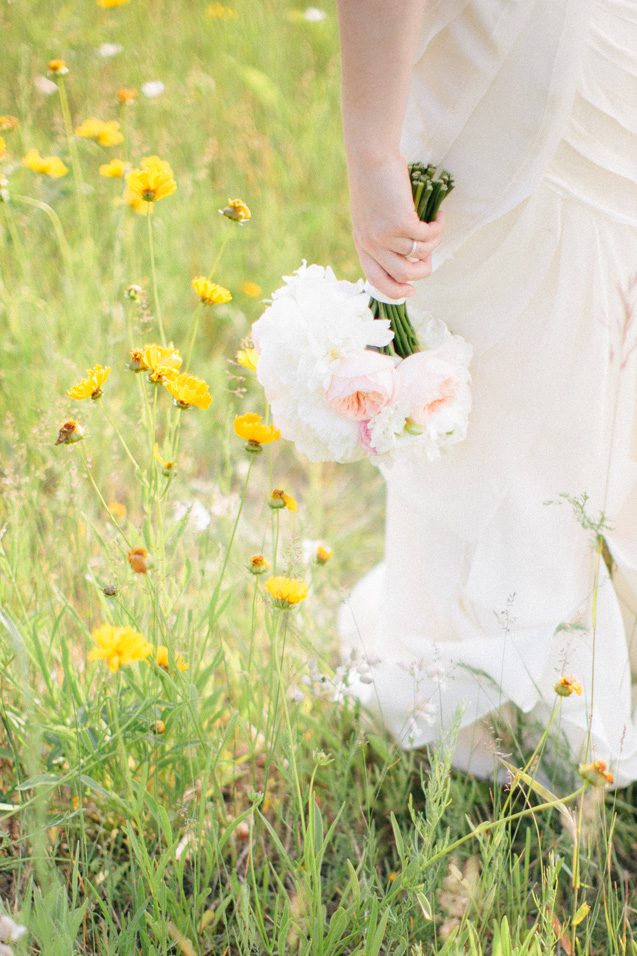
400 269
382 280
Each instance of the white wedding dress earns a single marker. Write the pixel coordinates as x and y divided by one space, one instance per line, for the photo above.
485 596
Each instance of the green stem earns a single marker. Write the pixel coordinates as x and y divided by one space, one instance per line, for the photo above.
153 272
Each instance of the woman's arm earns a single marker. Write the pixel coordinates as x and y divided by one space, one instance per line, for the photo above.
379 41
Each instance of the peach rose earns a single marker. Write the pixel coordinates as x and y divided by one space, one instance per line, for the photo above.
426 384
361 385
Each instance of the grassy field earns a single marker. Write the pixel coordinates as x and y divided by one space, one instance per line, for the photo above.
222 798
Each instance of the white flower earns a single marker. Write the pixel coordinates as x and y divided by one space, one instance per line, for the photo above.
313 321
198 515
107 50
386 428
45 86
152 89
314 15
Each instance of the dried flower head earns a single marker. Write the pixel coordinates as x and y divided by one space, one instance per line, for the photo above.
250 427
70 432
279 499
152 181
209 292
119 646
91 386
110 590
286 592
258 564
188 391
139 560
236 210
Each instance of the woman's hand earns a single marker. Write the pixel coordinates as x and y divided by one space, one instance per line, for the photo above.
385 224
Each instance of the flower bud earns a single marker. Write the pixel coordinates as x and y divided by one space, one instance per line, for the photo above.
110 590
412 427
596 773
139 560
258 564
70 432
323 554
134 292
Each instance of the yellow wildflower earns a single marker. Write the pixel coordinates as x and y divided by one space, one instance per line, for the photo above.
237 210
153 181
136 360
217 11
105 132
111 4
167 467
209 292
117 508
568 685
126 95
91 386
70 432
258 564
323 554
187 390
279 499
116 169
139 560
8 123
135 203
47 165
57 67
159 727
162 361
250 427
162 659
248 358
3 146
251 288
119 646
596 773
286 592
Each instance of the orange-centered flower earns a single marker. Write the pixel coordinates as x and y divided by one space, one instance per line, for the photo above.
279 499
126 95
209 292
286 592
153 181
187 390
162 659
258 564
119 646
163 362
568 685
250 427
91 386
596 773
57 67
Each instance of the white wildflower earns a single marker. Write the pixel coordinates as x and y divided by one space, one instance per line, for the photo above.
152 89
107 50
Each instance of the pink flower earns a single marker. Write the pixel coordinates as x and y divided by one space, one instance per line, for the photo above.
365 436
361 385
426 384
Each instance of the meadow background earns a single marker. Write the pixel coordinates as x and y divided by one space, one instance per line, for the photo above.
239 805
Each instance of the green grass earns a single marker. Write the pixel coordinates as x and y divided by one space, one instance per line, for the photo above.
231 807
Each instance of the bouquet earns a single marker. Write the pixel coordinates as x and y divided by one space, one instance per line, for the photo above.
347 377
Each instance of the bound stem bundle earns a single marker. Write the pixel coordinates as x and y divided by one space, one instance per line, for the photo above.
428 190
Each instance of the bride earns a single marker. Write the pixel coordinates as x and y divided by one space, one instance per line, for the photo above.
510 564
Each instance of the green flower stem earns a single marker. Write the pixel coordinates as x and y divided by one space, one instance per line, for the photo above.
153 272
75 160
62 241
